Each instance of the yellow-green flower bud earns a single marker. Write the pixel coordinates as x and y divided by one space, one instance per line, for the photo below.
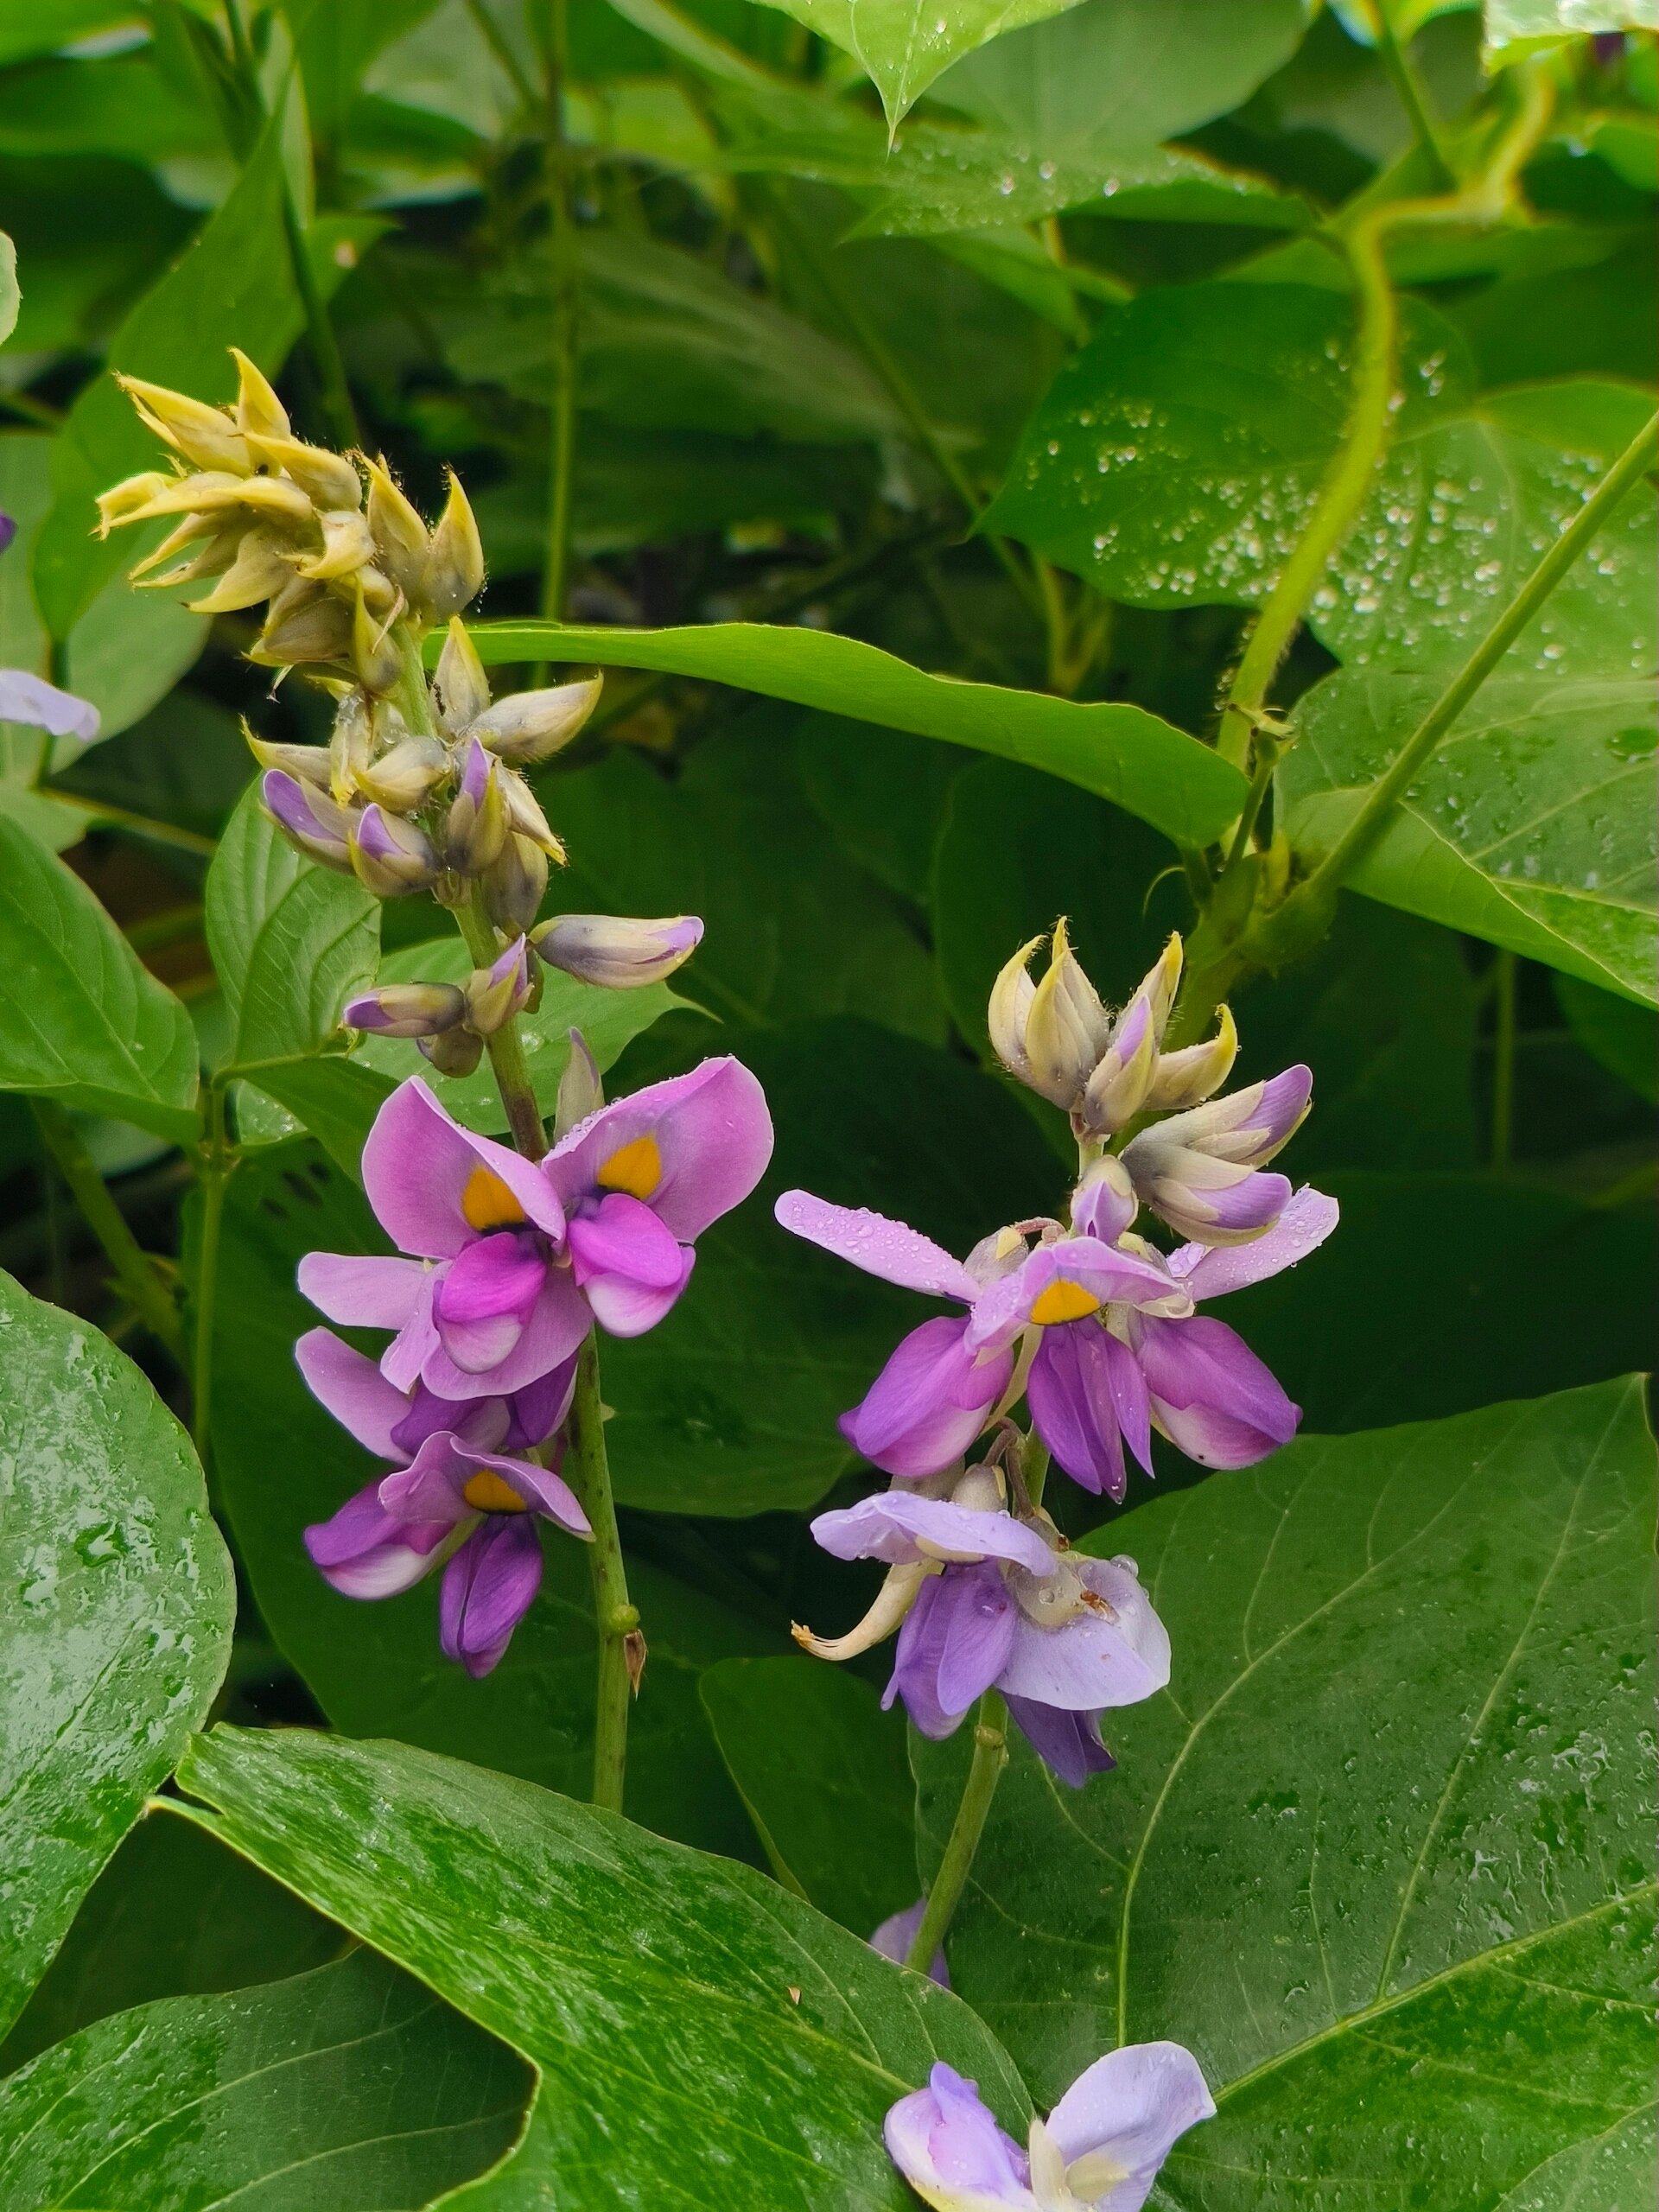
351 746
399 534
326 477
308 764
374 651
129 500
207 436
531 726
348 547
454 573
515 886
257 572
402 776
303 624
525 813
461 688
259 413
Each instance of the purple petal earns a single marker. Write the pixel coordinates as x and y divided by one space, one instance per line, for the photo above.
362 1292
625 1263
1038 1288
557 1324
536 1411
364 1552
1070 1391
432 1488
484 1300
1132 2104
1211 1271
543 1492
893 1938
26 698
1100 1657
712 1138
881 1247
1246 1127
1213 1201
1211 1395
928 1403
482 1424
618 953
952 1646
901 1528
290 805
422 1174
1068 1744
945 2141
489 1588
353 1389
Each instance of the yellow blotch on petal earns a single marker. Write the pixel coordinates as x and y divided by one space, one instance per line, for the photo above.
636 1168
1063 1301
487 1203
487 1492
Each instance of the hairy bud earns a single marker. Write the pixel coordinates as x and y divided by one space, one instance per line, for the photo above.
514 885
407 1010
461 687
619 954
495 994
476 827
259 413
454 571
457 1052
580 1091
531 726
207 436
391 857
399 534
308 817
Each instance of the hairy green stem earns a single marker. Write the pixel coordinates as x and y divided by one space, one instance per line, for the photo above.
134 1276
218 1160
990 1757
586 1467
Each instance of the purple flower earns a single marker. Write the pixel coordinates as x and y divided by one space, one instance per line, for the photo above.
487 1305
26 698
457 1496
639 1180
893 1938
1201 1170
1099 2150
935 1392
983 1601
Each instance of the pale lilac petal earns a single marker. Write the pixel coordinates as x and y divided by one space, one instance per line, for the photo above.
624 1237
557 1324
542 1491
480 1424
1209 1271
1097 1659
364 1552
486 1298
881 1247
947 2145
416 1342
713 1138
900 1528
353 1390
976 1621
1248 1126
418 1166
1068 1744
893 1938
928 1403
1131 2106
1083 1262
432 1488
362 1292
26 698
623 1308
1213 1201
1212 1396
489 1588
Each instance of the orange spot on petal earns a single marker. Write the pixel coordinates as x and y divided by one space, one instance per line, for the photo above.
487 1203
636 1168
487 1492
1063 1301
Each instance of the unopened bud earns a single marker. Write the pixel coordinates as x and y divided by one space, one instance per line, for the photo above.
514 886
306 764
581 1090
391 857
461 688
525 814
399 533
1010 1008
498 992
133 497
326 478
223 536
374 650
308 817
454 573
351 746
1186 1078
257 572
407 1010
1104 1202
303 624
401 777
531 726
259 413
1117 1089
207 436
476 827
348 547
457 1052
1066 1027
617 953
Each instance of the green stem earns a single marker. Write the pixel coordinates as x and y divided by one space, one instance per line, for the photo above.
507 1047
566 303
496 39
136 1277
1385 794
621 1649
1503 1061
217 1159
1402 75
990 1757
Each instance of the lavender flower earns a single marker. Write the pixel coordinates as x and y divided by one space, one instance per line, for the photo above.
1099 2150
893 1938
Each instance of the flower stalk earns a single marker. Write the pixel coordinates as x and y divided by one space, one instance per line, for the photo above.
506 1046
984 1772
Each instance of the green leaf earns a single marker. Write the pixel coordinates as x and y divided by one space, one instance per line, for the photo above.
83 1022
344 2087
1428 1298
173 1915
793 932
702 2035
336 1099
607 1021
1118 752
336 41
1380 1855
118 1623
376 1668
903 45
290 941
1622 1037
55 24
884 805
1179 455
1531 826
822 1772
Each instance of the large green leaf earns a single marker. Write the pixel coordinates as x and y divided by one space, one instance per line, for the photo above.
119 1617
902 45
1532 825
1118 752
1621 1036
347 2089
1177 457
174 1913
607 1021
83 1022
290 941
703 2038
822 1772
1381 1855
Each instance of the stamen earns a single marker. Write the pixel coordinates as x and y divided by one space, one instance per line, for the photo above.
892 1601
487 1203
636 1168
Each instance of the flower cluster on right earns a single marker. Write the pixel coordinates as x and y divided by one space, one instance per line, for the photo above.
1095 1328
